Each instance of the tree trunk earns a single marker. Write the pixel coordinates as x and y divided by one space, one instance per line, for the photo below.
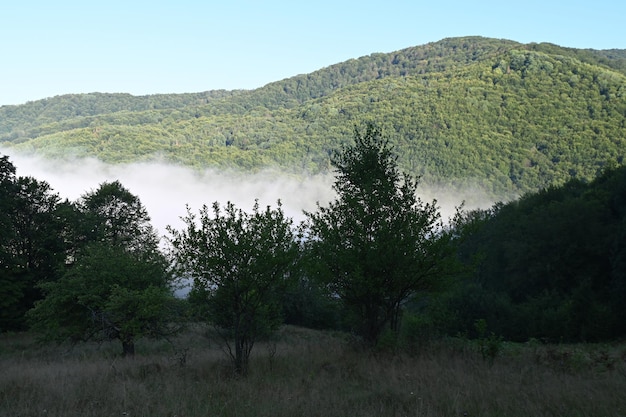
241 360
372 327
128 347
396 319
238 357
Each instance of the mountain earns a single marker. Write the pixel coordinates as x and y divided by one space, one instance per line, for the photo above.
504 116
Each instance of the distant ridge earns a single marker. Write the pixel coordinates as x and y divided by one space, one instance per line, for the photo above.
505 116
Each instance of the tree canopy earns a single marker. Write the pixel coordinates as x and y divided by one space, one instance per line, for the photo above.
108 294
115 283
378 244
549 265
29 249
240 264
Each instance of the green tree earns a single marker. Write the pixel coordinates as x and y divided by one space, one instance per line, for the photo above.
377 244
114 215
109 293
116 283
549 265
29 247
240 264
10 290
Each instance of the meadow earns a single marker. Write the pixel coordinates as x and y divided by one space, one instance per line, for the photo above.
304 372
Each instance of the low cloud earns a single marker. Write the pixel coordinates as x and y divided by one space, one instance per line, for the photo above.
166 190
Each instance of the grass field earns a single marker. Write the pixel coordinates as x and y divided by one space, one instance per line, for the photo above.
309 373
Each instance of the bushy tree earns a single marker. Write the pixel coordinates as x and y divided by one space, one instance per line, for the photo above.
549 265
109 293
240 264
114 215
10 290
116 283
377 244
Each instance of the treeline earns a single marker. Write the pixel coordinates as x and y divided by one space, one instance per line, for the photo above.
550 265
81 270
77 109
508 117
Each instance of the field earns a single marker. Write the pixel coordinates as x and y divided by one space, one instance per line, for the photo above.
309 373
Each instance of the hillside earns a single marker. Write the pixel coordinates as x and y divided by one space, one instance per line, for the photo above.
498 114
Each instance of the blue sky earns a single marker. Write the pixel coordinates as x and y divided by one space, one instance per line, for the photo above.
145 47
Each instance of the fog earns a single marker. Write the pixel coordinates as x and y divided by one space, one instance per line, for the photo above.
165 190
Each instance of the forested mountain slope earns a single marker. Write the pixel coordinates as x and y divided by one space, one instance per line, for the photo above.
506 116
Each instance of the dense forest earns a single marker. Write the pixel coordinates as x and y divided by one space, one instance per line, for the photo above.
549 265
540 127
505 116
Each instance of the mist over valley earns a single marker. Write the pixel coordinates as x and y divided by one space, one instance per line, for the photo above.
166 189
450 238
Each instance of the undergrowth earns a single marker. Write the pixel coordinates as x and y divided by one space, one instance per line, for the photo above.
302 372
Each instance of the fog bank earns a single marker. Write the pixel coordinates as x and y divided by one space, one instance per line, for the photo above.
166 189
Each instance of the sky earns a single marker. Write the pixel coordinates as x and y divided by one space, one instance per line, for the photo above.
51 48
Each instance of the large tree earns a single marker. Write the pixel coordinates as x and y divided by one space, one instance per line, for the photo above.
551 265
109 293
116 283
377 244
114 215
240 263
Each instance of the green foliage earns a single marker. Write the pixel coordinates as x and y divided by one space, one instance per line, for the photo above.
550 265
240 264
489 344
114 215
109 293
307 304
506 117
73 111
114 282
29 249
378 243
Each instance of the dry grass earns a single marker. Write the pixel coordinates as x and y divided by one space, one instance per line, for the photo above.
308 374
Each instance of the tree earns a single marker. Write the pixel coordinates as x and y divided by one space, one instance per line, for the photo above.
116 283
114 215
10 290
240 264
108 294
549 265
29 248
377 244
